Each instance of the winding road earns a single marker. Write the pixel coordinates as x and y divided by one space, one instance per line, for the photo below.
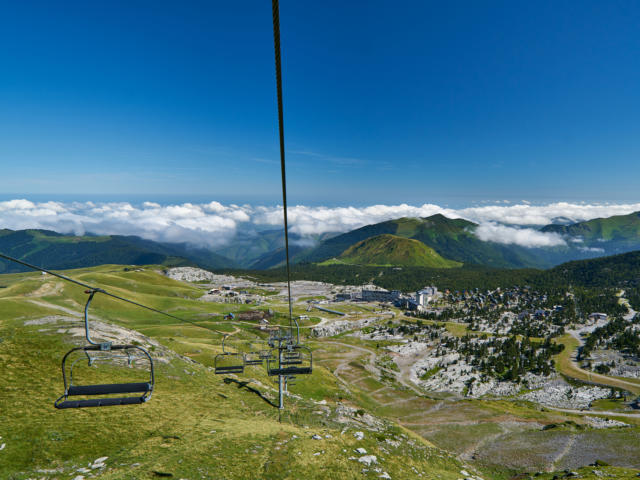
573 370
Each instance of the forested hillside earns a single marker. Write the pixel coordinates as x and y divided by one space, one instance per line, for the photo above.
615 271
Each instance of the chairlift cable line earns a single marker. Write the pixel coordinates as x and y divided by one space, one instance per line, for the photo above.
100 290
291 360
276 44
278 68
283 373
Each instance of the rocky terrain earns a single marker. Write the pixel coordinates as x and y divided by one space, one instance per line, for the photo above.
558 393
327 328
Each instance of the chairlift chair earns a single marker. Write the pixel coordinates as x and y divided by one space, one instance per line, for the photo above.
293 354
253 357
105 351
300 366
228 362
292 357
143 388
266 353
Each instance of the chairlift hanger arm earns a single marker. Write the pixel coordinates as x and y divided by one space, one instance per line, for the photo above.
104 345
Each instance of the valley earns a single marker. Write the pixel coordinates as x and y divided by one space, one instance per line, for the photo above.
404 381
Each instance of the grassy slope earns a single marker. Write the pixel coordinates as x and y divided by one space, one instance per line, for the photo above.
393 250
195 426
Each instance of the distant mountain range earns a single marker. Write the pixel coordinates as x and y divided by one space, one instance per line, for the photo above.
617 234
56 251
435 242
455 239
261 250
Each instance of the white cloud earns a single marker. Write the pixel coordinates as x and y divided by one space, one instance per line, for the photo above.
316 220
591 249
195 224
527 214
525 237
215 224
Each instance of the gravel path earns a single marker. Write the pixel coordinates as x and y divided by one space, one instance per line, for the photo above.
68 311
377 369
469 453
595 412
563 453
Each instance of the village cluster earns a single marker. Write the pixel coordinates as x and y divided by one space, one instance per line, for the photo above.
508 344
508 349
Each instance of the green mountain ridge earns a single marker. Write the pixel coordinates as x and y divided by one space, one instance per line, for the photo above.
387 249
455 239
619 229
58 251
452 239
615 270
275 258
621 271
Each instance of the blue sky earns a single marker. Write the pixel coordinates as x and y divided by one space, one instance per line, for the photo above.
384 101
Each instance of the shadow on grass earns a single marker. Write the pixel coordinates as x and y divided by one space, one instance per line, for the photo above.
245 385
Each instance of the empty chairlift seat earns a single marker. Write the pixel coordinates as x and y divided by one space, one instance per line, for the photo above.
266 353
228 362
102 392
291 360
254 356
292 357
252 359
260 351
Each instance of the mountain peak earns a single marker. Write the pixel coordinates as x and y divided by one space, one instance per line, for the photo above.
387 249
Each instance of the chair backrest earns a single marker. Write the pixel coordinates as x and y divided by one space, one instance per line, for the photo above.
299 363
228 363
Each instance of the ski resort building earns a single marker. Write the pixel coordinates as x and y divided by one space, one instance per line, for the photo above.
380 295
424 296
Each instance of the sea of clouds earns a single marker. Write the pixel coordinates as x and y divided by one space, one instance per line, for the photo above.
216 225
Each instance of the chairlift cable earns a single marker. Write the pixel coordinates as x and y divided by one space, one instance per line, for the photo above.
145 389
278 67
276 44
100 290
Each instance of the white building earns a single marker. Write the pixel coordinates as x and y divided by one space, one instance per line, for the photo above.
426 295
